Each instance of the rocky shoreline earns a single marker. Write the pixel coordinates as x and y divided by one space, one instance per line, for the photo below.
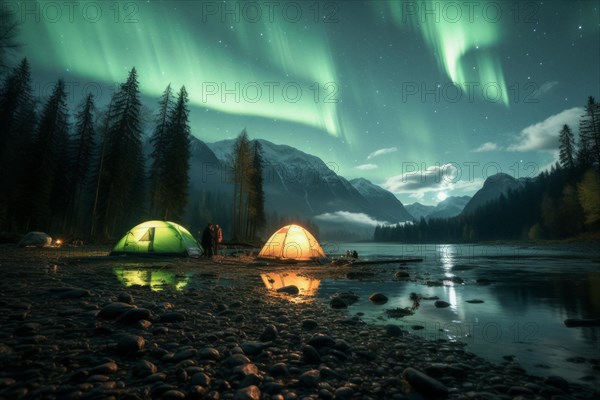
70 329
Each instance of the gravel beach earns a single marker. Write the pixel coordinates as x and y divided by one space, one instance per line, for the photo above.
70 329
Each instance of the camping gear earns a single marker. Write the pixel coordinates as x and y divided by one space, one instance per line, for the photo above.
292 243
35 239
158 237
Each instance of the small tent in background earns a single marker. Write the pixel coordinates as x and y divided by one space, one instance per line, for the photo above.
158 237
35 239
293 243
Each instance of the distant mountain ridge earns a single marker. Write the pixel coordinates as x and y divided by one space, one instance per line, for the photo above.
302 185
448 208
493 187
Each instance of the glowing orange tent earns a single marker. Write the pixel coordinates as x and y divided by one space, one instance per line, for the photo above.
293 243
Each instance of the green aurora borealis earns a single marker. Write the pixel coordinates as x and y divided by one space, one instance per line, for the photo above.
428 82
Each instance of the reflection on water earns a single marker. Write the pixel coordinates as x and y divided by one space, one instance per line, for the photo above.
527 296
276 280
158 278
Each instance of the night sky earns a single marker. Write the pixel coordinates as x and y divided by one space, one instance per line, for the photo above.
423 98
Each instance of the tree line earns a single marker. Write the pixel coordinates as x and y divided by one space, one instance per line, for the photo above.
89 176
86 175
561 203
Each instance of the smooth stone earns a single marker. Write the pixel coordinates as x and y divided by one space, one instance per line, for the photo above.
270 333
130 344
125 298
290 289
310 378
309 324
113 310
311 355
441 304
343 393
105 369
251 392
134 315
172 316
236 359
144 368
474 301
378 298
209 353
173 395
252 348
184 355
338 303
320 340
156 377
279 369
200 378
402 275
393 330
424 384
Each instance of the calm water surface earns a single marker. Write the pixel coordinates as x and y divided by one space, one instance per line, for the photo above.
532 291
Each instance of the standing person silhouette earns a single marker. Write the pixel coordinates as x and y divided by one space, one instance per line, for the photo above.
218 238
207 241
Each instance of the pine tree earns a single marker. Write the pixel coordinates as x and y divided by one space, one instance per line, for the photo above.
175 168
81 155
44 189
158 141
588 191
18 119
566 148
589 135
256 206
121 185
9 30
241 160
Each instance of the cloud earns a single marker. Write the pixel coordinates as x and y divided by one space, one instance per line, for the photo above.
365 167
350 217
416 183
543 136
487 146
545 88
381 152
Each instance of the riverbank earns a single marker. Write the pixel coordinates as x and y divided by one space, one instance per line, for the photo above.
71 329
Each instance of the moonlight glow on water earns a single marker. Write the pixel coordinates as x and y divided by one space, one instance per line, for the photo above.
427 83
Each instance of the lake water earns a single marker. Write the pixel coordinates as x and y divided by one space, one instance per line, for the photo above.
532 290
529 293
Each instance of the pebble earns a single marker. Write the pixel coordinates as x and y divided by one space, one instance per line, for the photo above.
270 333
378 298
134 315
310 378
130 344
441 304
338 303
113 310
290 289
311 355
251 392
172 316
309 324
424 384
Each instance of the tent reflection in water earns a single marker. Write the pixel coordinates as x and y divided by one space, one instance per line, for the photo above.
292 243
158 237
306 286
156 280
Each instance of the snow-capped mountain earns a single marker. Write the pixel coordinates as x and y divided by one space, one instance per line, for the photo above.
381 199
450 207
418 210
493 187
300 184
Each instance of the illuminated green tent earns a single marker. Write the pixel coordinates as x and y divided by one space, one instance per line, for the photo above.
158 237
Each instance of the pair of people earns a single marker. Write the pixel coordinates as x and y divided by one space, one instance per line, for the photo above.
212 236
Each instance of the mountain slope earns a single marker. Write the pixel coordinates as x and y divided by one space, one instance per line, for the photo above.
418 210
450 207
381 199
493 187
300 184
